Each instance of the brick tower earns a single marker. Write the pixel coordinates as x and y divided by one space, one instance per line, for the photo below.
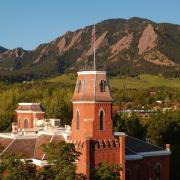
92 127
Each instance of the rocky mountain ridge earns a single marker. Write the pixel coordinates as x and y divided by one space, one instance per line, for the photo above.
123 47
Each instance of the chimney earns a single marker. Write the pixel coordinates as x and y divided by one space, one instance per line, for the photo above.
14 128
168 147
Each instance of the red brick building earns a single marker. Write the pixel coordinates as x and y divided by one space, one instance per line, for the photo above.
28 115
92 133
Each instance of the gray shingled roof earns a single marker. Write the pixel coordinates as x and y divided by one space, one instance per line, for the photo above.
137 145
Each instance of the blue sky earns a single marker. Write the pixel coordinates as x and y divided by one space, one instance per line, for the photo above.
27 23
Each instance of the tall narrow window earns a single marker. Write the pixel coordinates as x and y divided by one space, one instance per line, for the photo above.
77 120
19 123
158 171
103 85
25 123
79 84
102 120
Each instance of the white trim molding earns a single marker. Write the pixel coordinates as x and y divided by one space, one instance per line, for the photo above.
119 134
91 72
28 111
91 102
141 155
155 153
25 104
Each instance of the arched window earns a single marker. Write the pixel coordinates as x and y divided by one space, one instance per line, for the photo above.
19 123
103 84
101 120
158 171
77 120
25 123
79 84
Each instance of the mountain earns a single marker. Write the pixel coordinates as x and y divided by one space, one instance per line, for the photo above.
123 47
2 49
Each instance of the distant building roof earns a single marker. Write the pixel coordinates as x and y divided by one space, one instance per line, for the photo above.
137 149
33 107
31 145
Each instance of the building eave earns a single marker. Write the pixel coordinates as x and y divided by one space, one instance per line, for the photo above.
142 155
25 104
155 153
133 157
91 72
91 102
29 111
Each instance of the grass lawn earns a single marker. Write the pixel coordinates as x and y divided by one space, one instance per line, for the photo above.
144 81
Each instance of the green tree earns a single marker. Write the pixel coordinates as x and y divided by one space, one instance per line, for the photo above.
62 157
132 125
16 168
164 128
105 171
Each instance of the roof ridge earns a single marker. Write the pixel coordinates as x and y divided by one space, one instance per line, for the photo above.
147 142
43 156
34 149
7 147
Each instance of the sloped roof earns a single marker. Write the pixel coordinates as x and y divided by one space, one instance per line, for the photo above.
138 149
22 146
4 142
32 147
28 147
89 90
38 151
34 107
137 145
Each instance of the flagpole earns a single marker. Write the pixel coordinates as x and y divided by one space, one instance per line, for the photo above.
94 48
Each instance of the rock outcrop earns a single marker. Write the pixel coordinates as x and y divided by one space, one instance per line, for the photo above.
148 40
123 43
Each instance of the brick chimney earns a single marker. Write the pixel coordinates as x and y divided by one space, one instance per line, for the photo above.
168 146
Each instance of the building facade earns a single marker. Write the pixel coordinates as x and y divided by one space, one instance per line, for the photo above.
29 115
92 126
91 132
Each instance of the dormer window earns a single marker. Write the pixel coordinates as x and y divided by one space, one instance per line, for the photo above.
103 85
79 85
